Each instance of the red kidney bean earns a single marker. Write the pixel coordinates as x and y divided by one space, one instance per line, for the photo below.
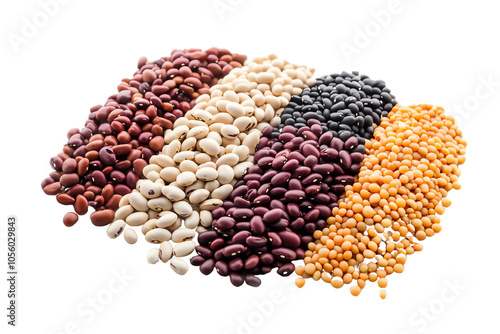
206 252
280 179
207 267
217 244
243 213
252 280
238 238
295 195
233 250
282 253
313 178
81 205
277 192
222 268
274 239
236 264
286 269
256 241
262 199
65 199
70 219
251 262
197 260
272 216
295 184
225 223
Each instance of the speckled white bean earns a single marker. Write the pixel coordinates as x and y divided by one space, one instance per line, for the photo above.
166 251
137 218
173 193
166 220
179 266
158 235
153 255
116 228
192 220
184 248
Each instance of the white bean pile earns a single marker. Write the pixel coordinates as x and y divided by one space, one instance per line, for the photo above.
206 153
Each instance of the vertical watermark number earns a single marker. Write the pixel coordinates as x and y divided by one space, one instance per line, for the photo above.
12 270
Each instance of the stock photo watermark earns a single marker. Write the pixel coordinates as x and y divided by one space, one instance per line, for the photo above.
365 34
223 7
31 25
484 90
421 319
88 310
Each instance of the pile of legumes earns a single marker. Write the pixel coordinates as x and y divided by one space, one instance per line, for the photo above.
103 161
401 189
206 152
255 164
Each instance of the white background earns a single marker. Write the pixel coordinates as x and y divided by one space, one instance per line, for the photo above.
438 52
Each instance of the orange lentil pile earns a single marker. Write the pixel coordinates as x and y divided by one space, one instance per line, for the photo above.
411 165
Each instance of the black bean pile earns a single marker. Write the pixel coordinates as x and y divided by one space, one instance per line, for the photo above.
346 104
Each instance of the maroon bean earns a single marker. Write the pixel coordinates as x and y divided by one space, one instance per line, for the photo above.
233 250
197 260
265 162
243 226
99 178
280 179
272 216
238 192
262 199
301 171
313 178
337 144
251 262
289 239
277 192
344 179
296 155
345 159
118 176
242 213
277 204
274 238
70 219
266 258
207 267
278 162
252 280
309 149
204 251
321 198
240 202
240 237
217 244
312 190
282 253
287 268
236 264
256 241
257 225
293 210
56 163
291 165
222 268
351 143
324 211
225 223
356 157
131 180
122 189
323 169
325 138
218 212
206 238
268 175
81 205
264 189
312 215
295 184
295 195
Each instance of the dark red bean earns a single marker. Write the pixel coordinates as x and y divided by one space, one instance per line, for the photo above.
204 251
222 268
240 237
313 178
287 268
243 213
272 216
207 267
252 280
236 264
233 250
252 262
205 238
274 238
282 253
256 241
295 195
197 260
